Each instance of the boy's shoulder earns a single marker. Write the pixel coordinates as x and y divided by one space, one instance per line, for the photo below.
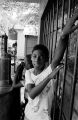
30 70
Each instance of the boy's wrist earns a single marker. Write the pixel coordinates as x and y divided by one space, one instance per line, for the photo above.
49 77
62 35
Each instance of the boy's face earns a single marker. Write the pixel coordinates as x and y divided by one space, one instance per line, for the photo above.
38 59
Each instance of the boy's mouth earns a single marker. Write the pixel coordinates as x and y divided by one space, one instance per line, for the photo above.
38 64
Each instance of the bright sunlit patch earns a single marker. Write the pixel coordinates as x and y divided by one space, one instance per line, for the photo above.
14 16
30 30
21 13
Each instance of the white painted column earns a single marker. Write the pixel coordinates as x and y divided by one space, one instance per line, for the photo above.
20 44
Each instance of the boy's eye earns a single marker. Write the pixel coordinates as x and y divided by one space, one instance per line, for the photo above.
40 57
34 56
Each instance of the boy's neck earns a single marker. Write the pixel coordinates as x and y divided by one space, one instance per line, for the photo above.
37 71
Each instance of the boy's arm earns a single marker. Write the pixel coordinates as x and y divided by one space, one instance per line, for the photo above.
36 90
69 27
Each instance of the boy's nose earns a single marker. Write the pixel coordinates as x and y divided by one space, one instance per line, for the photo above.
37 59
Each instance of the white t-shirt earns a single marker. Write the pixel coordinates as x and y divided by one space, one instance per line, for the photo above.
40 107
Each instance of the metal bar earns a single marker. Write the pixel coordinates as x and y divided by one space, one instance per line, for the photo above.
56 27
55 96
74 80
58 72
43 32
48 28
73 7
69 10
51 43
65 67
62 99
50 23
63 3
48 20
61 103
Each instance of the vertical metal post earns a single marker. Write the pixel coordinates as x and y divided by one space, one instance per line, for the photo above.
51 43
50 20
65 67
63 3
47 29
74 80
48 17
56 26
69 10
55 96
74 5
43 38
44 32
60 114
41 33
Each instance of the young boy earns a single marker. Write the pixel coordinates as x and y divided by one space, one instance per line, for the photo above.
39 80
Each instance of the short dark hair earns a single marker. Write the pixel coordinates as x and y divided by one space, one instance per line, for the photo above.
44 49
